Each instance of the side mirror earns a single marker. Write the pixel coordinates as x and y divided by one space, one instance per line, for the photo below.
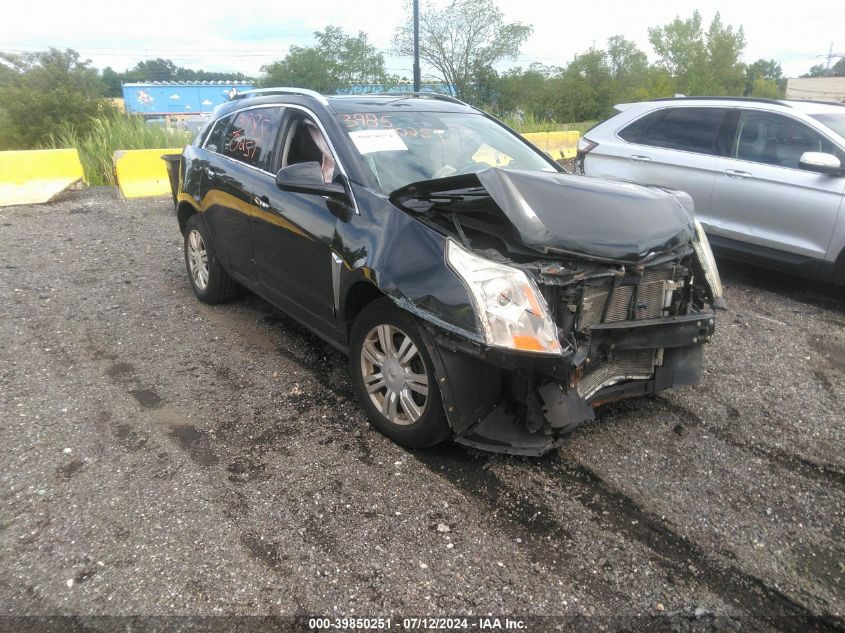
820 162
308 178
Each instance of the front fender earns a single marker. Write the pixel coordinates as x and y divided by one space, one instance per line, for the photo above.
406 261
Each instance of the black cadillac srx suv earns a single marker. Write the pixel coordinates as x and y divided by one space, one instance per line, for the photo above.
480 292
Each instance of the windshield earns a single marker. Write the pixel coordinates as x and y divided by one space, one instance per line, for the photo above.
404 147
835 122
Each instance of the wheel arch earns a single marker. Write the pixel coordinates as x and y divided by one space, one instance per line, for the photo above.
359 294
184 211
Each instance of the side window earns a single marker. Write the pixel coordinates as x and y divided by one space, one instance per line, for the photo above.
215 138
773 139
252 136
687 129
304 143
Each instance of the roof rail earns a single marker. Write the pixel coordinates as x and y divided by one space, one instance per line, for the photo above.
821 102
260 92
753 99
429 95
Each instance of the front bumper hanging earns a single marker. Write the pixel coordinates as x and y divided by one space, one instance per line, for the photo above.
620 360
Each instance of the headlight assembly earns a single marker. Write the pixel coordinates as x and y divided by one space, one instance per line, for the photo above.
708 265
512 312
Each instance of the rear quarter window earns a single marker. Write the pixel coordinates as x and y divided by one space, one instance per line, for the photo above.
637 131
215 138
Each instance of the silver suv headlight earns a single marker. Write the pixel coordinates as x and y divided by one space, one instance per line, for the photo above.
512 312
708 264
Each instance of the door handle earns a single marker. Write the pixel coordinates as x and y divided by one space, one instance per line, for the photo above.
211 171
262 203
736 173
640 158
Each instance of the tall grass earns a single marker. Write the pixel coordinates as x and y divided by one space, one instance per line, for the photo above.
528 123
98 140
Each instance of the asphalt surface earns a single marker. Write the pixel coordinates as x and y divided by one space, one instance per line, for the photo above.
163 457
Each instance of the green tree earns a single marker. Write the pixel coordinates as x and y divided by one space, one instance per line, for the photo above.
112 81
525 91
585 90
628 66
764 89
302 67
624 58
819 70
186 74
153 70
701 63
484 89
725 73
764 78
460 39
164 70
681 49
334 61
44 90
822 70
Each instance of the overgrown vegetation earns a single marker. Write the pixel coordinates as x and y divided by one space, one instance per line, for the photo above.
42 91
528 123
102 136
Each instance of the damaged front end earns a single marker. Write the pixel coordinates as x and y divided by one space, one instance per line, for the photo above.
586 291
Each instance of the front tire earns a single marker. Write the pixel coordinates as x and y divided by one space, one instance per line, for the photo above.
210 282
394 378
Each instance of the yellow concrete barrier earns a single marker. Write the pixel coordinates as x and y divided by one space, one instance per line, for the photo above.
141 173
36 176
556 144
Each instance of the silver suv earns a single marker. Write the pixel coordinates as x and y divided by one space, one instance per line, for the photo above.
766 176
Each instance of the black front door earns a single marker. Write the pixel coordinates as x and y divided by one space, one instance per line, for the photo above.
293 235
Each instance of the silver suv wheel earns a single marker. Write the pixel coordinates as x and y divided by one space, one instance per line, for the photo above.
197 260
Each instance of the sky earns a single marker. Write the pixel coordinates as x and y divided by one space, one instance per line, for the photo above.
242 36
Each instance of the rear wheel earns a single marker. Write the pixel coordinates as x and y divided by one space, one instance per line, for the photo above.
394 378
210 282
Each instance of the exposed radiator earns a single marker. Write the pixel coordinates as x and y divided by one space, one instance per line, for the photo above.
637 364
650 297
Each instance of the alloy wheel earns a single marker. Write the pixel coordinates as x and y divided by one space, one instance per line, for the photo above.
395 375
197 260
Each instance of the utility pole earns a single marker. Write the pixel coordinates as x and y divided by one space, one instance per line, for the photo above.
416 45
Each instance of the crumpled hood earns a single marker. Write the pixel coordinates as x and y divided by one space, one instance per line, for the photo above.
596 217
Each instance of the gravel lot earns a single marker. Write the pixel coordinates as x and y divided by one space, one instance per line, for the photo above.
164 457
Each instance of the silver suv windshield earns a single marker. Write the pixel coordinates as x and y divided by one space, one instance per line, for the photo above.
404 147
835 122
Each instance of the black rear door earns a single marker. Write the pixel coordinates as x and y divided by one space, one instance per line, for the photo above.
239 153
